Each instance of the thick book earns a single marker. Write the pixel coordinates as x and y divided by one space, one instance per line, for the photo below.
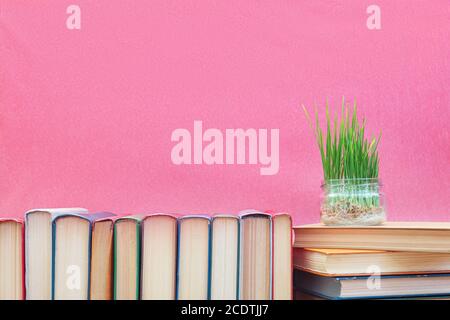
391 236
373 287
38 250
127 257
72 248
255 255
193 272
339 262
224 257
282 257
159 257
11 259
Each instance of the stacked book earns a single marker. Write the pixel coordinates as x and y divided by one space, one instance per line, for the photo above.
71 254
393 261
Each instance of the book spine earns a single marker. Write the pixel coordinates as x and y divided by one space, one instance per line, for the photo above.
114 262
238 265
272 261
240 260
91 228
292 259
177 275
209 259
53 259
24 290
138 259
271 258
25 261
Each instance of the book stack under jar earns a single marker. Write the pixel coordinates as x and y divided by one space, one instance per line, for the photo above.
397 260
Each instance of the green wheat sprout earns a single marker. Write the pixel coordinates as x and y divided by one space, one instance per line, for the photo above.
349 159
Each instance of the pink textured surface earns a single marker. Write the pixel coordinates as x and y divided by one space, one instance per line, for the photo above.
86 116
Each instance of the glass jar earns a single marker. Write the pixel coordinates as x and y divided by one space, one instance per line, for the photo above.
352 202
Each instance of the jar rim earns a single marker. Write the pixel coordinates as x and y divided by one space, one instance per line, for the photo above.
351 180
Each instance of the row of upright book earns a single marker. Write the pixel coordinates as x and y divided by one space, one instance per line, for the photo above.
70 253
397 260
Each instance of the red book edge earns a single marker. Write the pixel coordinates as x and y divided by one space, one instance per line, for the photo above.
19 220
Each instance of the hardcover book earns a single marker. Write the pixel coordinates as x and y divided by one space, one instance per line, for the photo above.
159 257
225 257
400 286
282 256
391 236
255 266
72 248
38 250
127 257
340 262
11 259
193 273
101 275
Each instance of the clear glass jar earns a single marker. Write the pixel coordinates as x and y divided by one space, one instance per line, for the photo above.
352 202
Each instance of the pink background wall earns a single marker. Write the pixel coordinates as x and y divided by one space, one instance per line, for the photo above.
86 116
